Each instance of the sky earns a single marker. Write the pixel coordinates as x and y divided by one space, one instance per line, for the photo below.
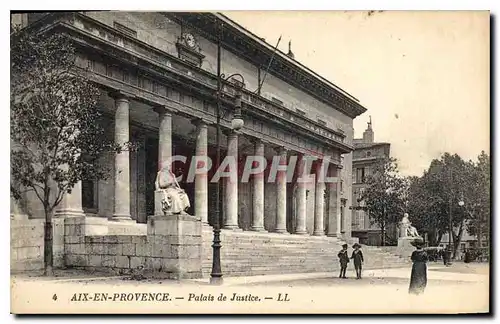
423 76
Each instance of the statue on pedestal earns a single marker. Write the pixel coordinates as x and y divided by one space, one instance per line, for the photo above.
174 198
406 229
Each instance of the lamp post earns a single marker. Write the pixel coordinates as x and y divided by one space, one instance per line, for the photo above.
236 123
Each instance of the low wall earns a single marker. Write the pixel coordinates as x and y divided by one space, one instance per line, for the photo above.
27 244
171 249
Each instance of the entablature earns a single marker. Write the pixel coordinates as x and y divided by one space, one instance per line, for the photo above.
157 70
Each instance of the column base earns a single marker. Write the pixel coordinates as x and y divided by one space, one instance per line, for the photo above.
69 213
333 235
300 233
121 218
280 231
318 234
232 228
258 229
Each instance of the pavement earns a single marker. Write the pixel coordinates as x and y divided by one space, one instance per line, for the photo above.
457 288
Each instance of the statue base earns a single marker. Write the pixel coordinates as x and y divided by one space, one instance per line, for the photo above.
405 249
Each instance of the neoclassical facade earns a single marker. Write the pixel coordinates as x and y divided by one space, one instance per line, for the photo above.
158 75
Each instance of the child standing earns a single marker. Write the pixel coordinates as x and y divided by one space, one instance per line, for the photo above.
344 260
357 255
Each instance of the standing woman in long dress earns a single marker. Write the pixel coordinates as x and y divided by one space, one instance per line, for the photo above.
418 280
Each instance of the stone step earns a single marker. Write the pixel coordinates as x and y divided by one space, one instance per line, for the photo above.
250 253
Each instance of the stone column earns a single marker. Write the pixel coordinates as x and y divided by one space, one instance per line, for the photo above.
301 201
71 204
319 229
201 179
231 193
164 136
334 205
281 193
258 193
122 160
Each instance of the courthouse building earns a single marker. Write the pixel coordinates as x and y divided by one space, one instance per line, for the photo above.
158 76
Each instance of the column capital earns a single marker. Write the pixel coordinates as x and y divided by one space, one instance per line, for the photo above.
281 150
200 122
230 132
121 95
165 110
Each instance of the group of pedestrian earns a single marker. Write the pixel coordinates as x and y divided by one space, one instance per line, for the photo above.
356 256
418 279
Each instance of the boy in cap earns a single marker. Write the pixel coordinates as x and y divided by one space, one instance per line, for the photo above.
344 260
357 255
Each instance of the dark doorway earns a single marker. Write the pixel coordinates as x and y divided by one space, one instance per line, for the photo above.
151 170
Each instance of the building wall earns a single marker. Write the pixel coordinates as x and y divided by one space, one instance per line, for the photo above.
27 244
158 31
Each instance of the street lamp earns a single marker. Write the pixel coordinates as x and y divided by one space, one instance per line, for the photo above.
236 123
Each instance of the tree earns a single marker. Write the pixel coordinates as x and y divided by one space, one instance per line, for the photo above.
384 196
477 200
451 196
56 134
426 204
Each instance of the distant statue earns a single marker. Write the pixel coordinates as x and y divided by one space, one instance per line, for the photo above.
174 199
406 229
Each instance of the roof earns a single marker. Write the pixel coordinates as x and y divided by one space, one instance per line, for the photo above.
282 54
240 41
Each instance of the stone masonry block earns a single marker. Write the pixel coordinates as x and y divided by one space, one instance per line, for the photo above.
77 248
73 239
113 248
143 249
128 249
108 261
155 264
181 266
30 252
98 248
58 260
179 239
122 261
136 262
186 251
94 260
94 239
162 251
175 225
75 260
110 239
139 239
124 239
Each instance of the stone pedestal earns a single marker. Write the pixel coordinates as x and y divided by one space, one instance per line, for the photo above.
405 249
175 245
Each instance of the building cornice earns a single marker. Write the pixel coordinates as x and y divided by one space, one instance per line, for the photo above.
243 43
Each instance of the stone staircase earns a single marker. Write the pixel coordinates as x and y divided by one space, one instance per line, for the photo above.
251 253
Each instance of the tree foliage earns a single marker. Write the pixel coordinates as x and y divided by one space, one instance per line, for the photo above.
451 186
385 195
56 132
